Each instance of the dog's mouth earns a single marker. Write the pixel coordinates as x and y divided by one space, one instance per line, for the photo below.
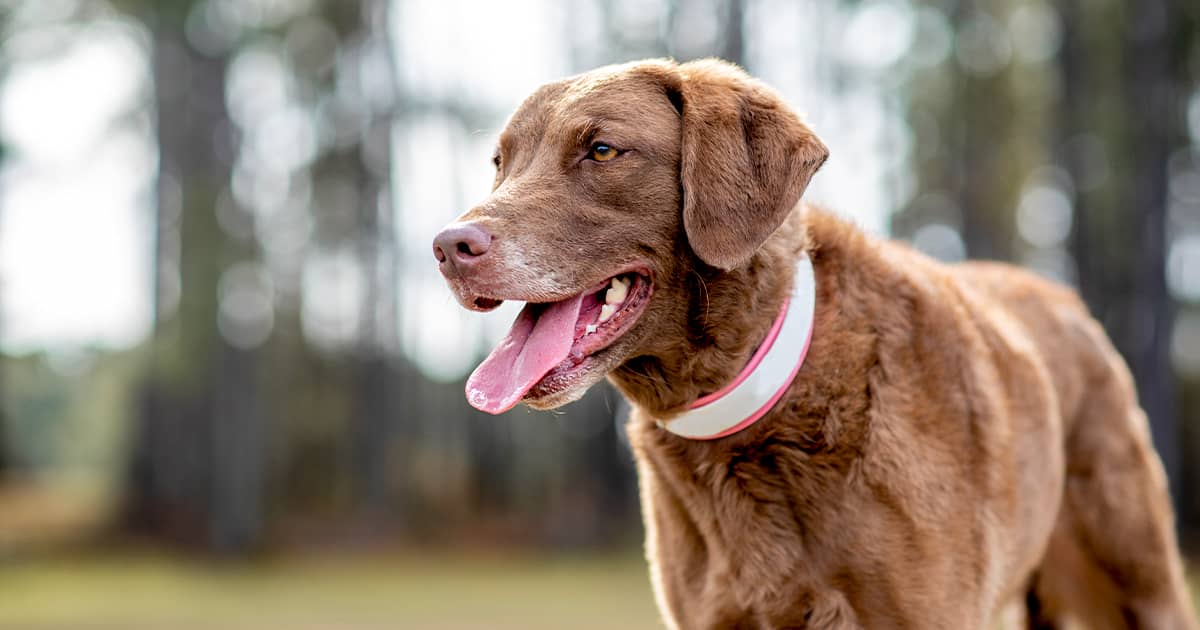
551 344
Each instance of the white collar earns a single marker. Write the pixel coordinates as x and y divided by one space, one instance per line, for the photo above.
765 378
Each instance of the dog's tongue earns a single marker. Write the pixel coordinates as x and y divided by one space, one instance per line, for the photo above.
539 340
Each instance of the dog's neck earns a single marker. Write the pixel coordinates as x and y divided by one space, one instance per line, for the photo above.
765 377
724 327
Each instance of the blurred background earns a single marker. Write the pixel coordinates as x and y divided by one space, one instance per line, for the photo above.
231 377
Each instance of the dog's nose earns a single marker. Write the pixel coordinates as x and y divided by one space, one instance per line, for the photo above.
461 244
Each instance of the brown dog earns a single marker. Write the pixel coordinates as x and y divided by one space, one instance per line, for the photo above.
955 438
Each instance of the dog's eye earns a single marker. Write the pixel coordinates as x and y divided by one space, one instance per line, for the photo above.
603 152
496 160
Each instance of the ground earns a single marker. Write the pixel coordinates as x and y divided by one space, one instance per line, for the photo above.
435 591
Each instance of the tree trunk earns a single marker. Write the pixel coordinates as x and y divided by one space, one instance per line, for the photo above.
1149 99
195 472
733 42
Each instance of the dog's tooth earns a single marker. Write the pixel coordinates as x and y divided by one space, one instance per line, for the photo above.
606 312
591 328
616 293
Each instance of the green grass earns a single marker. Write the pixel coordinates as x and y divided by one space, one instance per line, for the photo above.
1194 582
457 591
435 591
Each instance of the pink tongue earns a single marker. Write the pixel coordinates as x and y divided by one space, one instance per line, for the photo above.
536 343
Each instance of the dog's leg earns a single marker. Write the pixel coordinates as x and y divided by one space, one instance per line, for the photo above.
1118 510
1036 615
1071 588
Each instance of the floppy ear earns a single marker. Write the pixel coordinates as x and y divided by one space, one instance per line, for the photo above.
746 159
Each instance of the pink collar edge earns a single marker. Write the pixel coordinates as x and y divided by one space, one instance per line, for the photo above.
762 411
763 349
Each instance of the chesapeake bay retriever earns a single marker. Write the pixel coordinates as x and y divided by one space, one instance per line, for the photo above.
956 438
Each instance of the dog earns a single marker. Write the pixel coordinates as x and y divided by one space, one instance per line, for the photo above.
831 430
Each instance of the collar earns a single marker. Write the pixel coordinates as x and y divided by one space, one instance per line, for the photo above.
765 378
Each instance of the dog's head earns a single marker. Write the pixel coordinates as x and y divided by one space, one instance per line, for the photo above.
612 188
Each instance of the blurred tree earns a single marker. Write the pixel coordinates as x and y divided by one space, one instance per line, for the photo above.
349 81
4 419
974 142
197 455
237 395
5 455
982 125
376 413
1156 120
733 40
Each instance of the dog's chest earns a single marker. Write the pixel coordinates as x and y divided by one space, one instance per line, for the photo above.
725 539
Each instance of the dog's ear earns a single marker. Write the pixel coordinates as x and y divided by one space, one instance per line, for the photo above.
746 158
